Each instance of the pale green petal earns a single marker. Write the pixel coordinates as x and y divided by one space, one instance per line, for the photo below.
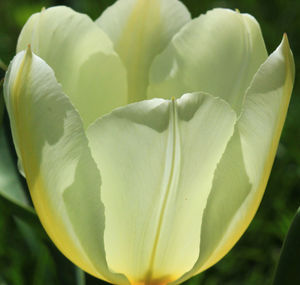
242 174
51 142
230 188
141 29
218 53
157 160
82 58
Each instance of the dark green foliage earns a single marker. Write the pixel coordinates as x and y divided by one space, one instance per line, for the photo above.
287 271
27 256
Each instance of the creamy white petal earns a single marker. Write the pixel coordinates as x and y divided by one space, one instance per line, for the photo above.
157 159
243 172
82 57
141 29
218 53
52 145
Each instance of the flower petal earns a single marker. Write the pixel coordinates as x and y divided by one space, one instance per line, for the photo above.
82 58
218 53
243 172
54 151
140 29
157 160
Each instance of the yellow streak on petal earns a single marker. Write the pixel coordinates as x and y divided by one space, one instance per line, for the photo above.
158 281
16 90
138 46
287 90
53 225
171 181
49 218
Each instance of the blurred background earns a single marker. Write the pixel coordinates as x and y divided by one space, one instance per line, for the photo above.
28 257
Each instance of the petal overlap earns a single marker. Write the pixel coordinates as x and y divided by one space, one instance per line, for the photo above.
218 53
157 159
53 148
242 174
82 57
146 138
140 30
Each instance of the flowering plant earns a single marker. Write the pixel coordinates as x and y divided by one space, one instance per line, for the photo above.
146 138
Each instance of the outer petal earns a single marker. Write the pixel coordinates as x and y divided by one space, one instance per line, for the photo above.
140 29
218 53
82 58
157 160
57 163
242 174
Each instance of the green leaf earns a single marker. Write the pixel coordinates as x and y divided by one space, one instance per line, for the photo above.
44 267
11 186
3 65
50 266
28 216
288 267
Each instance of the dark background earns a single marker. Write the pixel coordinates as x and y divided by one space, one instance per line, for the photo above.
26 258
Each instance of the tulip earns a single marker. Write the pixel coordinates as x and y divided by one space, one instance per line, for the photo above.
146 138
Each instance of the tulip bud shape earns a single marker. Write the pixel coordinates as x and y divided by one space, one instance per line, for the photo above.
146 137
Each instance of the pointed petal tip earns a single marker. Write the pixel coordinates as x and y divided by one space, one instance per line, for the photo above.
28 53
285 44
285 41
288 54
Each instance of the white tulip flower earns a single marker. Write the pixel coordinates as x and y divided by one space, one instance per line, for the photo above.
146 137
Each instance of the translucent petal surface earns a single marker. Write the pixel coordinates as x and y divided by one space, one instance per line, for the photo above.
57 163
82 58
140 29
218 53
157 159
242 174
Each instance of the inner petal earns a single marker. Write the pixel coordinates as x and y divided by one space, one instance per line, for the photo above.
82 58
141 29
217 53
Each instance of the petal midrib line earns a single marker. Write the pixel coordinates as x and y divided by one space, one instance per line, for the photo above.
170 180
